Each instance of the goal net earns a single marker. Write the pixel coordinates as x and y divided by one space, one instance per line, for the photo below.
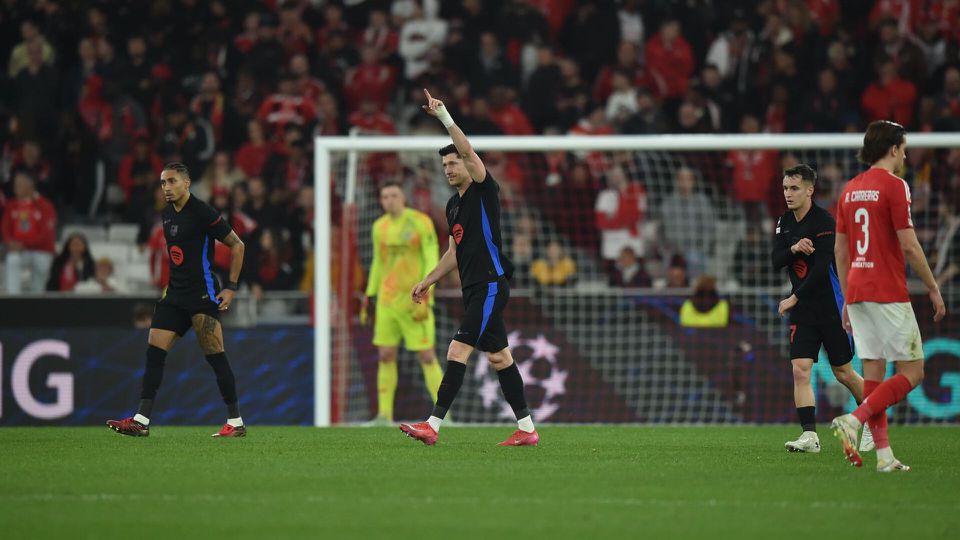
670 315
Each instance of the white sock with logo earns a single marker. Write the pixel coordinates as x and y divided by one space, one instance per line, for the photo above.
235 422
142 419
435 423
526 424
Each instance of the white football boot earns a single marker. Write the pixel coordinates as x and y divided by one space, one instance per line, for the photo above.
808 442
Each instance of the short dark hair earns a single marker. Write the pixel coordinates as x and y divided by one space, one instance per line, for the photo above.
880 136
178 168
804 171
449 149
391 183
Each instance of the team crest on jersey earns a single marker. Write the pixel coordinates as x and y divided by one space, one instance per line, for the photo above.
457 233
173 230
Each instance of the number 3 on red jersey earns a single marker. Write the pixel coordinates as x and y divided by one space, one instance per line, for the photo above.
862 217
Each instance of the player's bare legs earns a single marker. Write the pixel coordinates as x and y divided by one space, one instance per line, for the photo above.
805 402
210 337
159 343
848 377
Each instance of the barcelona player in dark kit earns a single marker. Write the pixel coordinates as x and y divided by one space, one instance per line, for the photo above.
193 298
804 245
473 215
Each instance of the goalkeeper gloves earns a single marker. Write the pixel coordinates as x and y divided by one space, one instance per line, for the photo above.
421 312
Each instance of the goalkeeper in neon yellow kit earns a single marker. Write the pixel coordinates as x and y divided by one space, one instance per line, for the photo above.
404 250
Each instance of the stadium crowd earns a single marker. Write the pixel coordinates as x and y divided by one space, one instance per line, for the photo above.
97 95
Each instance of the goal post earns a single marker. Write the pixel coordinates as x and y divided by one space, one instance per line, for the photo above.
643 346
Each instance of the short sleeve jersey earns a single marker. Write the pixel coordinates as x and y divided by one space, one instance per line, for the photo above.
474 221
191 234
872 208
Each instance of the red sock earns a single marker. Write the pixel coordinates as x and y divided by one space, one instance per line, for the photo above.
890 392
877 422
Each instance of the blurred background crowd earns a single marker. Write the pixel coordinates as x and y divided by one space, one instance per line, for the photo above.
97 95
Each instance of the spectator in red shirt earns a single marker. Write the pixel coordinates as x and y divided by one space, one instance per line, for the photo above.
620 210
254 153
627 62
753 172
371 120
28 229
308 87
890 97
73 264
372 80
594 124
286 107
245 41
379 35
670 60
506 114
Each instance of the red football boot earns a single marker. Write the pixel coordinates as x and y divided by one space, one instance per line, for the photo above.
522 438
129 426
422 432
229 431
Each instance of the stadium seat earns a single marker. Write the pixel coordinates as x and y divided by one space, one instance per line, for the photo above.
122 233
118 253
94 233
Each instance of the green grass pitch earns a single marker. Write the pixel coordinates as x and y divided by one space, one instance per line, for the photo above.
582 482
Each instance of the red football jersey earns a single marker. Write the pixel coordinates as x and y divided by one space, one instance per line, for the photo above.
872 208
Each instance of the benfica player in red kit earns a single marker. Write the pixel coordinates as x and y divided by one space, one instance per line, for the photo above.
473 214
874 236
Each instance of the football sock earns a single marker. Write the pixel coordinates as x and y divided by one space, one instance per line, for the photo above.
877 422
435 423
526 424
142 419
885 454
890 392
235 422
808 418
511 383
152 377
449 386
432 375
226 382
386 388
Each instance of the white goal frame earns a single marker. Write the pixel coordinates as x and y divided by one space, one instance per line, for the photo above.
325 147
